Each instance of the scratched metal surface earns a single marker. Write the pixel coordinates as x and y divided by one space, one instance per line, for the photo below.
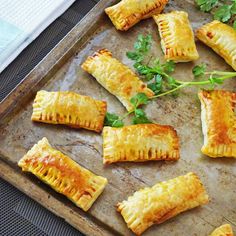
18 134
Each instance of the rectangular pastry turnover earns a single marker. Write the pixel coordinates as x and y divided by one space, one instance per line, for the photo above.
218 123
154 205
115 77
221 38
63 174
70 109
223 230
127 13
177 38
142 142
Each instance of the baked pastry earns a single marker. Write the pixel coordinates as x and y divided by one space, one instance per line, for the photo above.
221 38
154 205
127 13
115 77
142 142
63 174
218 123
177 39
70 109
223 230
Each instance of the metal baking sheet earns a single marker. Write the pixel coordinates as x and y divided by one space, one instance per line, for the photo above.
60 70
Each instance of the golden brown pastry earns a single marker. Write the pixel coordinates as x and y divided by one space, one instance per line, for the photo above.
115 77
177 39
142 142
218 123
63 174
221 38
223 230
127 13
70 109
154 205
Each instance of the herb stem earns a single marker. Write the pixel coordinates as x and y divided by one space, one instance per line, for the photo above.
227 76
185 84
125 115
215 72
169 91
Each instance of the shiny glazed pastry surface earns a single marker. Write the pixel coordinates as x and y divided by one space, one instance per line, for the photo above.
221 38
70 109
63 174
218 123
115 77
127 13
142 142
177 38
154 205
223 230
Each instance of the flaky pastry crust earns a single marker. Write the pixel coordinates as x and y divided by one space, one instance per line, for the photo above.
142 142
177 38
154 205
218 123
63 174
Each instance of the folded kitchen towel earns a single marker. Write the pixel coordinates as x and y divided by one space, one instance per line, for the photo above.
22 21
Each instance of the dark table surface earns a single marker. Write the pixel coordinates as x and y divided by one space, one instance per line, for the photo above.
20 215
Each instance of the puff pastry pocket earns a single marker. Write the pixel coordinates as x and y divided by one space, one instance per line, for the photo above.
223 230
127 13
63 174
177 39
70 109
164 200
142 142
221 38
218 123
115 77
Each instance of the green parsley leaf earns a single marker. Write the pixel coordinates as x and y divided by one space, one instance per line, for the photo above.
140 117
156 87
199 70
118 123
139 99
139 112
112 120
140 120
143 44
206 5
223 13
141 48
215 81
142 69
169 66
171 82
234 25
233 9
135 56
158 79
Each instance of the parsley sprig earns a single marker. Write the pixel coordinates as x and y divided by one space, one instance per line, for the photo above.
222 10
139 116
160 80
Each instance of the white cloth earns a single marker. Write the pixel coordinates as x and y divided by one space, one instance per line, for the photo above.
21 21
